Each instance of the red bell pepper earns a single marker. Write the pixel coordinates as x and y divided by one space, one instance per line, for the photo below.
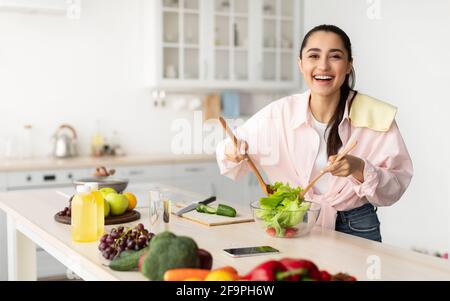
312 272
274 270
289 269
268 271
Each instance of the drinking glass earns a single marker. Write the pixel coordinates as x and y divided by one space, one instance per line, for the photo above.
156 210
159 210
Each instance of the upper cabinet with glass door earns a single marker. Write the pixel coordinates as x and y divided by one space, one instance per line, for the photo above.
230 47
181 40
280 28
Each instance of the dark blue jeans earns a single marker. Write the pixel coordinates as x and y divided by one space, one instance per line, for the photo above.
362 222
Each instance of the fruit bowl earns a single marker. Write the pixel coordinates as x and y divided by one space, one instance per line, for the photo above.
118 185
284 222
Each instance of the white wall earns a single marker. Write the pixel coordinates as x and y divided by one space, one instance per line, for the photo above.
55 70
402 56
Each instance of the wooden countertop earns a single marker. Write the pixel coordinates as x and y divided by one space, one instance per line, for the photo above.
89 162
32 212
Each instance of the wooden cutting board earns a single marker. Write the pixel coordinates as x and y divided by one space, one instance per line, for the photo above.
211 220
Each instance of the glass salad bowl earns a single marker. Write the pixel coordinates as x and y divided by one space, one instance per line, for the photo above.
286 221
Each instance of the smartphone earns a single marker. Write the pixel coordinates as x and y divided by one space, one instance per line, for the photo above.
250 251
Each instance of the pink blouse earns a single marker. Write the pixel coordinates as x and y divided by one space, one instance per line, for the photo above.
284 145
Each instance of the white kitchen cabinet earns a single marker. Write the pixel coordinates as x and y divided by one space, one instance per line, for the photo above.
197 177
253 191
202 186
140 175
233 192
145 173
205 178
241 192
222 44
189 170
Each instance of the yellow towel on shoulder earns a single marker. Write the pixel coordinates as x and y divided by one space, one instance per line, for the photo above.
372 113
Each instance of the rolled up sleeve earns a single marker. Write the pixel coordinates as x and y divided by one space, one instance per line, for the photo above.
228 168
386 177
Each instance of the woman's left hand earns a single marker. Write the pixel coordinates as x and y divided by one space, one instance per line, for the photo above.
348 165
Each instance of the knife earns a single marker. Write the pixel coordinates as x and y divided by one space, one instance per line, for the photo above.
194 206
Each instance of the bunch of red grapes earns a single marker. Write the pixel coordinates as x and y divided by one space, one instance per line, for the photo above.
119 240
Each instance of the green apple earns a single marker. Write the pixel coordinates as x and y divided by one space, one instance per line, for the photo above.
107 190
107 208
118 203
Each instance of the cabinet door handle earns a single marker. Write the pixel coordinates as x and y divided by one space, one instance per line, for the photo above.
194 169
136 172
206 69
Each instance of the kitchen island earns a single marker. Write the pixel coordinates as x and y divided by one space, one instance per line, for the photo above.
30 222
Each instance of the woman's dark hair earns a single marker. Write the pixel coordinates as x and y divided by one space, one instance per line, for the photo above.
334 142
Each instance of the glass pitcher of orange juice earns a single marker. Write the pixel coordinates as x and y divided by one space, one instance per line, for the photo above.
88 221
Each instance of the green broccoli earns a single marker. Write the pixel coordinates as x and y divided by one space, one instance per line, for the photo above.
168 251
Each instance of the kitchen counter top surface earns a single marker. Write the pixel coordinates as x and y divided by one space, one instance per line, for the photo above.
330 250
90 162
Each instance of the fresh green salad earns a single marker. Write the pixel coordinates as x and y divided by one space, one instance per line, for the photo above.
283 209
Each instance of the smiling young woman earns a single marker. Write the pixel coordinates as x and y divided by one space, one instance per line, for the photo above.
294 138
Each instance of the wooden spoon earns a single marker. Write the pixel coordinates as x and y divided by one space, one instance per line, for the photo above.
266 188
348 149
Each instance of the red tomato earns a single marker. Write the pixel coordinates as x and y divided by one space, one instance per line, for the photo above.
271 231
290 232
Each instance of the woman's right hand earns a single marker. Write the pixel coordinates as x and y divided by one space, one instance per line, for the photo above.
236 154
